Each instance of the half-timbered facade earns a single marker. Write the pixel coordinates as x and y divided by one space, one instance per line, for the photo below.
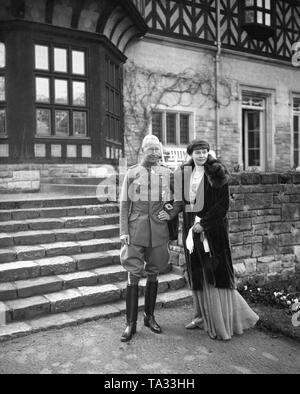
82 81
243 56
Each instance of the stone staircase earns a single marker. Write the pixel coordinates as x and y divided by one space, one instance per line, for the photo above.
71 186
59 265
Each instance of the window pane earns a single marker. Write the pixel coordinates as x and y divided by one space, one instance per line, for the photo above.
297 105
171 128
62 123
296 141
78 62
60 60
79 96
2 88
249 3
260 18
118 130
112 74
296 159
268 4
254 121
79 123
111 128
117 75
43 122
107 99
42 90
111 101
41 57
2 55
157 125
253 140
106 70
296 124
117 104
254 158
184 129
268 19
61 91
259 3
249 17
2 121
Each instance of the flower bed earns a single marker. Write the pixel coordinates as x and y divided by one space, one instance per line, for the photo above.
277 304
273 295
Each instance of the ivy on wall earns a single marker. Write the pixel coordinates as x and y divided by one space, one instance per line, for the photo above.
146 90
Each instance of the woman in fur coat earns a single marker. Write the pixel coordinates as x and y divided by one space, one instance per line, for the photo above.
202 194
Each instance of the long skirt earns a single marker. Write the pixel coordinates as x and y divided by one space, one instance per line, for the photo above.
224 311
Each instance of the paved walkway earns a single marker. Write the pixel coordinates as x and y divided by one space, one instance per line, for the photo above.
96 348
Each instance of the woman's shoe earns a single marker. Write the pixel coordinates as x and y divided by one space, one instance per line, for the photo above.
196 323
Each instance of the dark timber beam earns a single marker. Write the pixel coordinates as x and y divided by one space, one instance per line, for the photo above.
77 8
49 11
18 8
103 18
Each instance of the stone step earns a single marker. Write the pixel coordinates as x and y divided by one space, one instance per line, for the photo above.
50 284
166 282
170 299
48 202
57 212
62 235
76 181
60 265
22 253
75 298
67 189
57 223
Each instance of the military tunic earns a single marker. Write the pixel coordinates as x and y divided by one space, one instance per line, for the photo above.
144 193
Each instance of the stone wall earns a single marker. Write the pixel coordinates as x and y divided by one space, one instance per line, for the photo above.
264 222
28 177
18 180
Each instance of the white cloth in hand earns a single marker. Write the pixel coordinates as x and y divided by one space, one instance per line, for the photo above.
190 241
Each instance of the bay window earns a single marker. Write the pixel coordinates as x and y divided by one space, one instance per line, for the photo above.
258 18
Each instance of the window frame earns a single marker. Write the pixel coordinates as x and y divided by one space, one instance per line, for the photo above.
114 145
295 113
178 114
262 132
52 75
256 8
3 103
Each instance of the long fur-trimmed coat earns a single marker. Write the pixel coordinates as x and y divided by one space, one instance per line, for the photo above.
216 266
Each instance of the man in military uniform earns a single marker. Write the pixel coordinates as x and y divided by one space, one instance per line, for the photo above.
144 236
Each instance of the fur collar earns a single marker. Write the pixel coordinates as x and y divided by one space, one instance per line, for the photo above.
216 172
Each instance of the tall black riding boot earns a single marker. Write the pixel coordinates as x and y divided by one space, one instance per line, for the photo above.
132 296
150 300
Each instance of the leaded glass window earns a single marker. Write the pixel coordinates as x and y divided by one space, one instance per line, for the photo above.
61 91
